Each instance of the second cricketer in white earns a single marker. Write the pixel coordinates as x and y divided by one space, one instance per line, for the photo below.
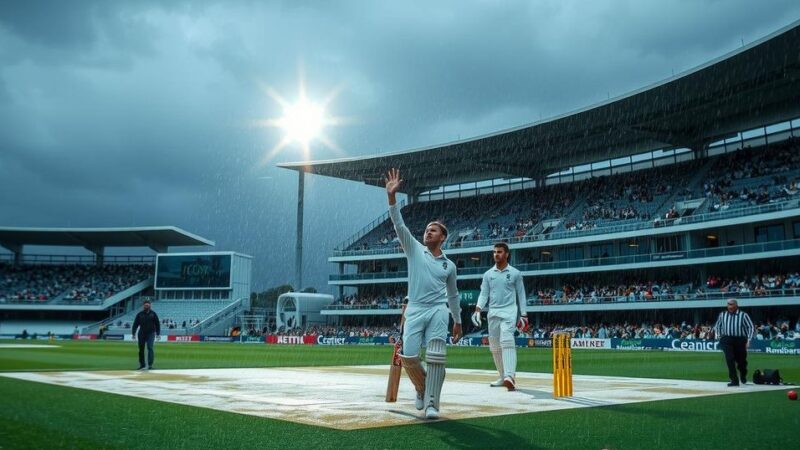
504 292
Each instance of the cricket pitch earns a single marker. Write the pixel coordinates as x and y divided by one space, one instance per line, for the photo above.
352 397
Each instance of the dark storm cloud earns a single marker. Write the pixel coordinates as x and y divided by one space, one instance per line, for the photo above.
54 33
548 58
139 113
54 24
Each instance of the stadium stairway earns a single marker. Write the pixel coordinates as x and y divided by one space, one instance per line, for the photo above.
108 301
177 311
574 213
689 192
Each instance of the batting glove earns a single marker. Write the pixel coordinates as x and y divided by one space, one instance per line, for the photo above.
476 319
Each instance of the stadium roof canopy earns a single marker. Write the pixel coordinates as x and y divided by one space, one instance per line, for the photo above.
96 239
754 86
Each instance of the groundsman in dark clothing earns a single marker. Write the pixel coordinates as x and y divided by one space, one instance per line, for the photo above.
148 327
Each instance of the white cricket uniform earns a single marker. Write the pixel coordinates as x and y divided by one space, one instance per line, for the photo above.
504 292
431 288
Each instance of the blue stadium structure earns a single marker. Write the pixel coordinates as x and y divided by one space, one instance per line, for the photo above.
652 206
70 284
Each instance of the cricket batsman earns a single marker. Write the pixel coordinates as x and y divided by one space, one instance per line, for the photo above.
502 289
431 291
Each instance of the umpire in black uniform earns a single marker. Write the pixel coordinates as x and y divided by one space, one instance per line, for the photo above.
148 326
735 330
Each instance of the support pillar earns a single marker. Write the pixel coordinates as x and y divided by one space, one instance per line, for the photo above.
99 254
16 249
298 260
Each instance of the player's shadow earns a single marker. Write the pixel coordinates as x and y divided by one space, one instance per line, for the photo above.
459 434
535 393
545 395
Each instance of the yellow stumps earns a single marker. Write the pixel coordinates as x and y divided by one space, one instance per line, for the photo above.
562 365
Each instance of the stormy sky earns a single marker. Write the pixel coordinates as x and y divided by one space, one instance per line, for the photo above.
142 113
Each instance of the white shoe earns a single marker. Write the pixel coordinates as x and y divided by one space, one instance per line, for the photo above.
509 383
431 413
497 383
420 401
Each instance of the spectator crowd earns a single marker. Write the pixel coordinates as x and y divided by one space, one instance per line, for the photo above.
780 329
743 178
69 283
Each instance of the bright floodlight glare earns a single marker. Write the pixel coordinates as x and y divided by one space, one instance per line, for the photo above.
302 121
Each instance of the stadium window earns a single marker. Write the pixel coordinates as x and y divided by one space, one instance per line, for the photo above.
755 132
632 247
621 161
783 126
796 227
570 254
525 256
601 251
582 168
669 244
717 143
770 233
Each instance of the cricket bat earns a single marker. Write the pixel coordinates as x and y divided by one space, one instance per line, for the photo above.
396 367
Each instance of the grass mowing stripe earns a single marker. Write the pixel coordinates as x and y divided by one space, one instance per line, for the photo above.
75 417
25 435
37 415
85 355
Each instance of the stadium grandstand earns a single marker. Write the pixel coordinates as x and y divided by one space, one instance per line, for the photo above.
66 281
649 208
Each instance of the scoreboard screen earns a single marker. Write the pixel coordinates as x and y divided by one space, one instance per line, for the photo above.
193 272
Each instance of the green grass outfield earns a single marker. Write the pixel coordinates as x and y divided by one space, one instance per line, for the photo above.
35 415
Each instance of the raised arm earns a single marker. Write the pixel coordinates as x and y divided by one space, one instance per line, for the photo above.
407 241
393 182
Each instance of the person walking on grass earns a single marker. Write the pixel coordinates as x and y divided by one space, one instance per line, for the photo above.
149 329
